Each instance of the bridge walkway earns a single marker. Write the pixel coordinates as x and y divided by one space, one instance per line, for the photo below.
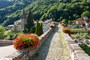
51 49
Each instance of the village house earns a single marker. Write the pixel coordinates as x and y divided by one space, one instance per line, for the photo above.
20 24
84 21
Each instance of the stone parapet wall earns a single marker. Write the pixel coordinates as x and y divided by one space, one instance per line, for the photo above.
5 42
26 54
76 52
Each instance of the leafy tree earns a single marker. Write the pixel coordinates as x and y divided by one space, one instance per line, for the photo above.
45 9
2 30
86 14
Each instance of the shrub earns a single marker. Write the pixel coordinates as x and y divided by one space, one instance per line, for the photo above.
8 32
10 35
39 28
85 14
25 41
2 30
67 30
32 30
81 35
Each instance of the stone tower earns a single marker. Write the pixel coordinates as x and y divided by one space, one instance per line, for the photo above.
23 19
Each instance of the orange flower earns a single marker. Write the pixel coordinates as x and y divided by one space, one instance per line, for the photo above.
67 30
25 41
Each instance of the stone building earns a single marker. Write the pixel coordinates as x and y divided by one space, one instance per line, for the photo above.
19 24
83 22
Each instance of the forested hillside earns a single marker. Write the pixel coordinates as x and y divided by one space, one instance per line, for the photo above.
4 3
65 10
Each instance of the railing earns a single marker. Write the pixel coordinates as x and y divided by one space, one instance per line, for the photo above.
5 42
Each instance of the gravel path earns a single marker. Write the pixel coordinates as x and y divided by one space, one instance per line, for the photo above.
51 49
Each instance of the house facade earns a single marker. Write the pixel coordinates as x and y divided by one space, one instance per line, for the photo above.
20 24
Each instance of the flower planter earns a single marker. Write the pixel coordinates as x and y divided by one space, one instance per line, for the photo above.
24 41
52 25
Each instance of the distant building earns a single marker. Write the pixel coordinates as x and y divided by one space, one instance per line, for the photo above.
10 27
20 24
84 21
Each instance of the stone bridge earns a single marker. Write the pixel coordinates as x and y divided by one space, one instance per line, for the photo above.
51 48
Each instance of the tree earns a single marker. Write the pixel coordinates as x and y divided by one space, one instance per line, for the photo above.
30 23
39 28
86 14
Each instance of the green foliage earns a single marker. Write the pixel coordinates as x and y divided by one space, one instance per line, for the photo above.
81 35
30 22
86 14
32 30
86 48
10 35
9 32
2 30
39 28
44 9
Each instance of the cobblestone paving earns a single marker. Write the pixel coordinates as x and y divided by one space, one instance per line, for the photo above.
51 49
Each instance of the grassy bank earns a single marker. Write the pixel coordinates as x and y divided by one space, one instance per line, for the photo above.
86 48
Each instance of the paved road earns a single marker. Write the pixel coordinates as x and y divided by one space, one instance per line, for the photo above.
6 50
51 49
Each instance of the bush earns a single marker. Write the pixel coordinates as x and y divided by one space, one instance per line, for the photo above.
26 41
67 30
39 28
76 35
81 35
10 35
2 30
32 30
86 14
86 48
9 32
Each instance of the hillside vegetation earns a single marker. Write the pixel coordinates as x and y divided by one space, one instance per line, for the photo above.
65 10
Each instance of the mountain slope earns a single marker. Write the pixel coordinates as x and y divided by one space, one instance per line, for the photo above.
65 10
12 12
4 3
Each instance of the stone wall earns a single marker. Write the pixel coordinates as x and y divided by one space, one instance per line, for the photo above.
27 53
5 42
76 52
